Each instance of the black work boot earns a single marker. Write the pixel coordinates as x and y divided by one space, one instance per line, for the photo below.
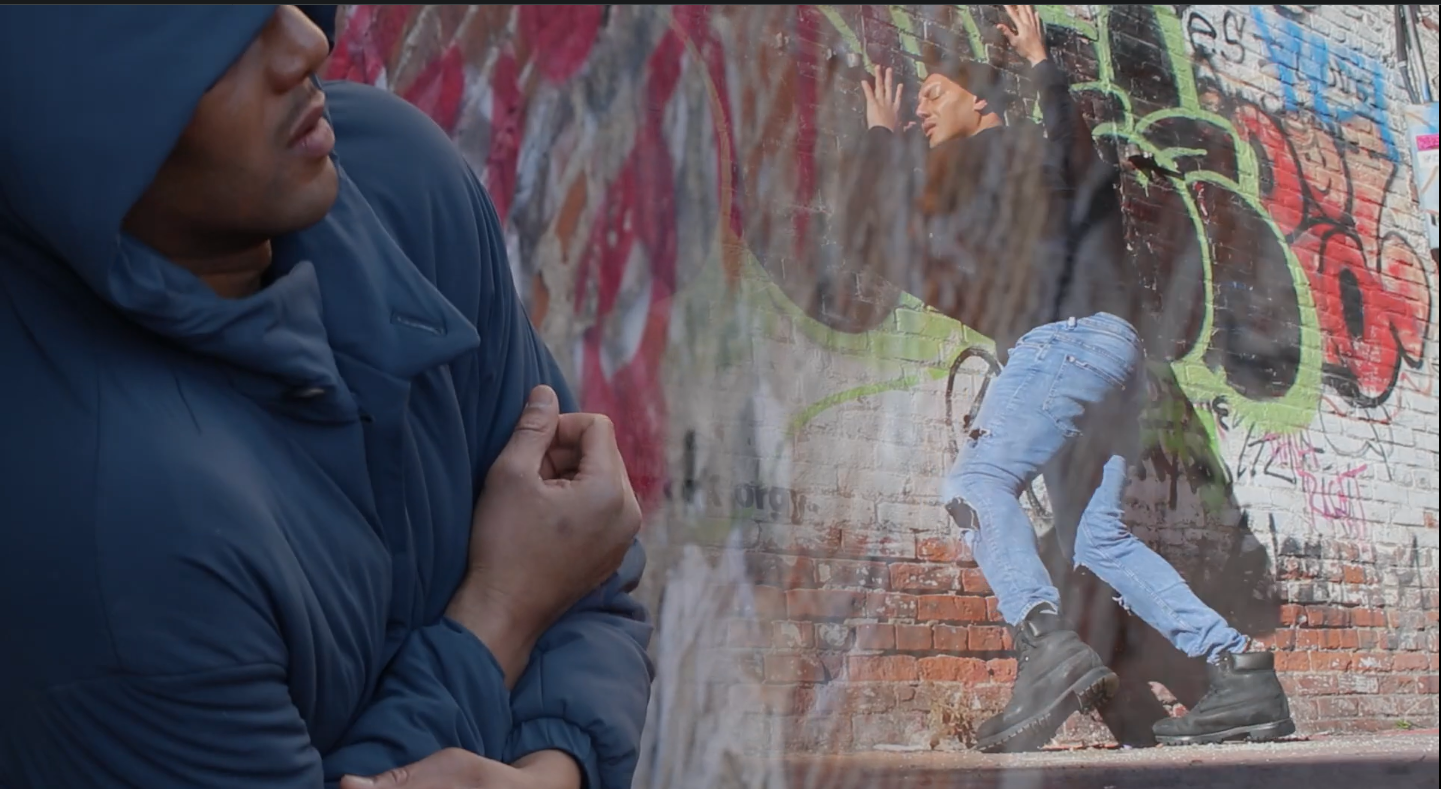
1057 675
1245 702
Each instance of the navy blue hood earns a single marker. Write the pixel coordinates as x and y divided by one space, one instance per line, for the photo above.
73 162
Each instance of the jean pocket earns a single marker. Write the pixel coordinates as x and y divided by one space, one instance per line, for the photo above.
1077 387
1115 377
1115 363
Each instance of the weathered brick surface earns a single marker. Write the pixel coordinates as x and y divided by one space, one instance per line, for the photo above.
685 215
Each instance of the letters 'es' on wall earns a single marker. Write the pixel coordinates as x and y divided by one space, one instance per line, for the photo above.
685 207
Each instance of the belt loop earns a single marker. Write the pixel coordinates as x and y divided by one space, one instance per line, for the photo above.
1071 322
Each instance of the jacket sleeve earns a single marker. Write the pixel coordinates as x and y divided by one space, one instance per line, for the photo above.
588 682
587 685
443 689
212 701
1069 151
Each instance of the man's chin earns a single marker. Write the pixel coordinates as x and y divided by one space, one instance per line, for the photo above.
316 198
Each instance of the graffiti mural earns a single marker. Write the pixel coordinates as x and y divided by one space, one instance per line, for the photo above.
1263 227
719 260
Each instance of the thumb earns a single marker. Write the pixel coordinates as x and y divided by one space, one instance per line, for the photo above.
536 427
390 779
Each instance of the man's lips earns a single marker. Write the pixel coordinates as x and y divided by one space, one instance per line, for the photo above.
313 137
308 121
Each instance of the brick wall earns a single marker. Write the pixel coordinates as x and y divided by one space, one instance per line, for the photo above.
696 237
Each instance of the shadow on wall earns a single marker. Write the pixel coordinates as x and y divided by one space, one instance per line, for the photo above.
1217 552
1184 487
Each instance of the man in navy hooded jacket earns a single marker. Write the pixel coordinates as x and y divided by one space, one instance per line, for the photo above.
285 493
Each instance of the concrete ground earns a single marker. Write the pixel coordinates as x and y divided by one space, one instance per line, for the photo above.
1401 760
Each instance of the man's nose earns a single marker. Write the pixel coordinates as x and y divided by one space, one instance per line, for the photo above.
299 48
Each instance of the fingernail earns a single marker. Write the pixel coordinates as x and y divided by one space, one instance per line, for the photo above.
356 780
540 397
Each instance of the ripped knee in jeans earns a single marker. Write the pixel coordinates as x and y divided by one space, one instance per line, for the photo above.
964 517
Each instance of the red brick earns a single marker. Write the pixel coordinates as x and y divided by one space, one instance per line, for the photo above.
1293 661
791 669
1392 685
883 546
1367 639
875 637
888 605
745 633
793 635
988 639
862 698
1309 639
1002 669
942 549
1315 684
816 734
1340 639
993 610
907 577
1331 661
786 572
1410 662
788 538
1315 616
953 669
1427 685
839 572
1335 616
1379 662
1291 614
974 581
949 608
825 603
913 637
884 668
738 665
893 728
764 603
951 639
774 699
1284 639
1353 574
1337 707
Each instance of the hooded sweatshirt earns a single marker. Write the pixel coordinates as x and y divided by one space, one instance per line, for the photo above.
229 529
1030 230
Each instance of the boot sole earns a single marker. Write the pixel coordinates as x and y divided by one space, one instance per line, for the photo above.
1264 732
1095 688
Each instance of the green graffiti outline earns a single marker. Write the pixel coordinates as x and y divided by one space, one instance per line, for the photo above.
928 336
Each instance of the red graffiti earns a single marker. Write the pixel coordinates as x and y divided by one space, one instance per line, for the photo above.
1372 301
557 40
632 235
1330 493
562 35
507 126
631 246
369 41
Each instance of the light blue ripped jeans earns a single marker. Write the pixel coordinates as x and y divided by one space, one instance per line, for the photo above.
1075 381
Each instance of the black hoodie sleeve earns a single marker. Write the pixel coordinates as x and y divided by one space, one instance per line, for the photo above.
1069 150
